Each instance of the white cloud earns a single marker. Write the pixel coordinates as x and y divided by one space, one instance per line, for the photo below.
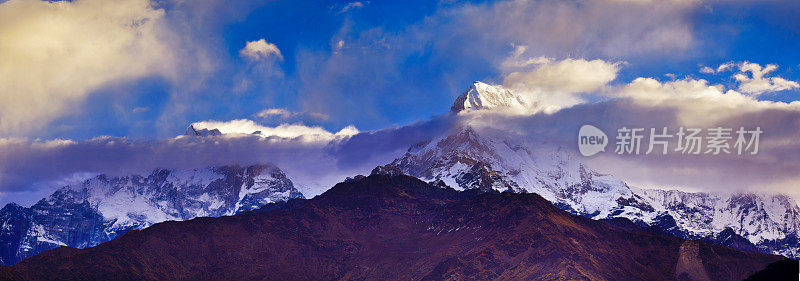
568 75
656 1
707 70
756 83
725 66
555 84
240 127
283 113
317 115
350 130
55 53
275 112
752 77
352 5
339 45
590 27
697 101
260 49
517 59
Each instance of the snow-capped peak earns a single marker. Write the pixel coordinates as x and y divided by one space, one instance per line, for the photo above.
87 213
484 96
485 159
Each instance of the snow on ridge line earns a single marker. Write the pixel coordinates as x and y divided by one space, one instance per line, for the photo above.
109 206
469 158
481 96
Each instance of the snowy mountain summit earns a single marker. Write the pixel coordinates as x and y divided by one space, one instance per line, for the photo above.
487 158
101 208
484 96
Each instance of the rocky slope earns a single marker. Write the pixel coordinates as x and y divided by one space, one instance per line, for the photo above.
102 208
385 227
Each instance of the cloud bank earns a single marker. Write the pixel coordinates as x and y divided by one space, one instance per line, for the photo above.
289 131
316 158
313 158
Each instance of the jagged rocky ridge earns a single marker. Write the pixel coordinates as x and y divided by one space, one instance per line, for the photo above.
191 131
388 226
101 208
487 159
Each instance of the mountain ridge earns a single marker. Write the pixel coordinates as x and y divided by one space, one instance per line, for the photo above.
477 157
471 158
399 228
101 208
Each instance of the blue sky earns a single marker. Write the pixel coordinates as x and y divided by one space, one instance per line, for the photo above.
400 62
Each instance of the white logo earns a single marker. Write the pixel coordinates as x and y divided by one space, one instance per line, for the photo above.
591 140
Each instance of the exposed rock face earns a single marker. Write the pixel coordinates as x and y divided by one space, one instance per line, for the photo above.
102 208
396 227
191 131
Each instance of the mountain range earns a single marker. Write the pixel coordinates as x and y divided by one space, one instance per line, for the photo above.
395 227
101 208
488 159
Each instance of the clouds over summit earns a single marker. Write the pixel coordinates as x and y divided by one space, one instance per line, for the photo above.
557 84
317 158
